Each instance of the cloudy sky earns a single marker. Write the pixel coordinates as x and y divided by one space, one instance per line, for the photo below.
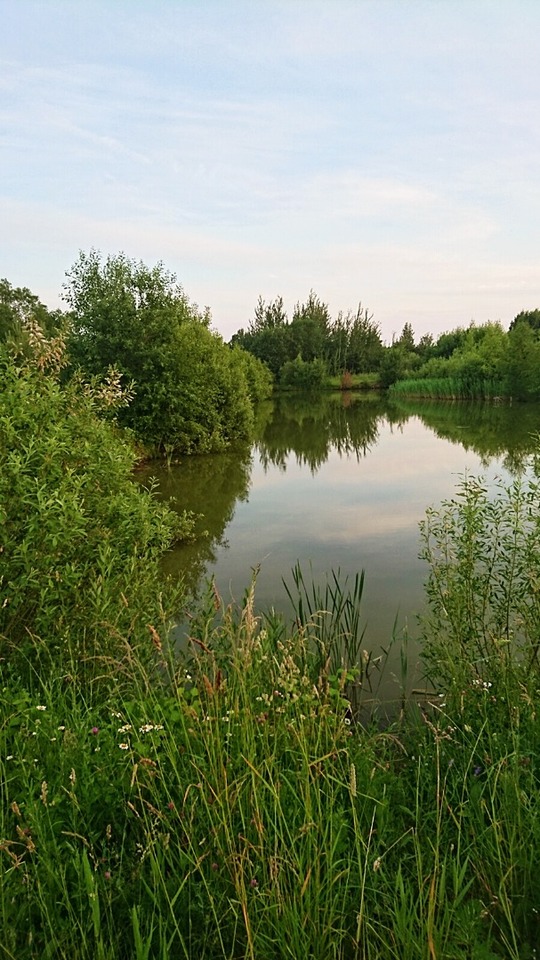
382 151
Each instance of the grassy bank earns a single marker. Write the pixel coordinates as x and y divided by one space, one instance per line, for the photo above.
232 805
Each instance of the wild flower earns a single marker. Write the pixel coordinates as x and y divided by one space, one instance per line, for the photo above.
41 707
73 777
95 730
125 729
124 746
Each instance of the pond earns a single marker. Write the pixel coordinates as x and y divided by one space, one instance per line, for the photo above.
340 482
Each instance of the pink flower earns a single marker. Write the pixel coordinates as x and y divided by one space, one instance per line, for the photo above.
94 730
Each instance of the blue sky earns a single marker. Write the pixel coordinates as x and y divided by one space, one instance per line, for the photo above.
382 151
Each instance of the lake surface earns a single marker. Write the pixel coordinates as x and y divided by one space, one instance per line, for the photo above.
341 482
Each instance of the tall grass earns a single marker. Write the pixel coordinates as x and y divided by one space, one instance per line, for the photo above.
228 806
451 388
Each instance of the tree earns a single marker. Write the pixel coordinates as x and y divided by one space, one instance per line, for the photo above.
190 393
268 335
532 317
393 365
406 338
310 328
365 343
448 342
17 306
523 362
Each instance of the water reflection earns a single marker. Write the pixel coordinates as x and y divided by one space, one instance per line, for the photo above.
340 482
329 435
491 430
210 487
311 427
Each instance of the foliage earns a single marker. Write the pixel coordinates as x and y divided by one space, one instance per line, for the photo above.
523 362
257 376
18 307
484 559
303 375
268 335
530 317
81 543
191 392
309 329
392 365
365 349
350 342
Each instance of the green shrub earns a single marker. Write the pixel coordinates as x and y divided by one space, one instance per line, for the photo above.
81 542
303 374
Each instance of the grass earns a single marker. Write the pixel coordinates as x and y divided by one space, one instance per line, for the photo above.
230 806
450 388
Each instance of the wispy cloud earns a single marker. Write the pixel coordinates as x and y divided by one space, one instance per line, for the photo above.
374 150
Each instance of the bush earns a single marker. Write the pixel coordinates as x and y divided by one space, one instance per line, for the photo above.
303 374
81 541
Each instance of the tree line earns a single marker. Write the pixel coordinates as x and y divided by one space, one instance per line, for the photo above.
473 361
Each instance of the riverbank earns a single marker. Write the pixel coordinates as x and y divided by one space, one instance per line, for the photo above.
231 804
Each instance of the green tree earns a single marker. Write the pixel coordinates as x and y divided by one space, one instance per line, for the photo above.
523 362
310 329
18 305
268 335
406 338
393 365
190 393
338 343
532 317
365 343
448 342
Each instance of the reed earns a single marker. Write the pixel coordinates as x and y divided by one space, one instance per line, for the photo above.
451 388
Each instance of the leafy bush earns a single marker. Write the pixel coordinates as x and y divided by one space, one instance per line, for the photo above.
81 542
303 374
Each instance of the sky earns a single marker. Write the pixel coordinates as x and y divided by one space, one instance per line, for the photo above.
377 151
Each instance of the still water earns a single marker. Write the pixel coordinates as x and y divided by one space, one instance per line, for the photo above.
340 482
